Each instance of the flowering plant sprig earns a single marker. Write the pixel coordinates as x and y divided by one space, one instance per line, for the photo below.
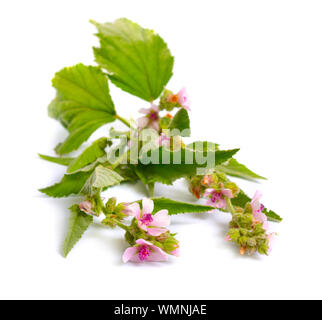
151 150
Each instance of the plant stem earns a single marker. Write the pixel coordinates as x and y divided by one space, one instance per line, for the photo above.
126 122
151 190
230 206
121 225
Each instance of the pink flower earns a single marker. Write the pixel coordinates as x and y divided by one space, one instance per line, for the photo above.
144 251
164 141
183 99
217 198
257 207
154 225
87 207
228 238
151 118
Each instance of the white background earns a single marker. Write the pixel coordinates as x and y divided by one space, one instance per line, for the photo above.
254 73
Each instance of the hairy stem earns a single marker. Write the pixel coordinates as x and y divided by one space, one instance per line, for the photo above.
230 206
126 122
151 190
121 225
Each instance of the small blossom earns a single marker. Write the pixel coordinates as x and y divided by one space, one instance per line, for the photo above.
155 224
183 99
217 198
144 251
180 98
228 238
257 207
87 207
151 118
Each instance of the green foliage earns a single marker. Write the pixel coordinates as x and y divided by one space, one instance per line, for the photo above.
205 146
58 160
137 59
79 222
91 154
82 105
168 173
176 207
181 122
100 179
242 199
235 169
71 184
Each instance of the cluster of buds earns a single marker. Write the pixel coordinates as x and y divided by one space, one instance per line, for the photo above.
248 228
152 118
113 213
148 235
215 187
170 100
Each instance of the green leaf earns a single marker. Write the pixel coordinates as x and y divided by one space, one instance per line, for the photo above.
242 199
235 169
79 222
138 60
91 154
176 207
83 104
58 160
204 146
71 184
168 173
101 178
181 122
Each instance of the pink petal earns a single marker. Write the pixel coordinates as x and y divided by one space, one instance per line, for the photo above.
210 203
143 242
259 216
265 226
145 110
155 125
143 226
270 239
154 108
130 254
87 207
227 238
157 255
227 193
155 232
161 219
143 122
176 252
148 206
184 99
208 192
256 206
221 204
132 209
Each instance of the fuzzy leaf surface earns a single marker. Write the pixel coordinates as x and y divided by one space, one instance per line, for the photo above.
176 207
79 222
235 169
71 184
83 104
137 59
